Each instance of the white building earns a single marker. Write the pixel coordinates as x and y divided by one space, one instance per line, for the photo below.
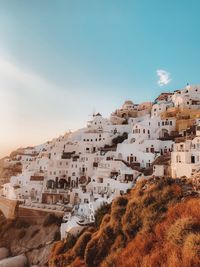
185 159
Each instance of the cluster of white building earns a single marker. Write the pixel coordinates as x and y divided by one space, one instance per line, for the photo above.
105 159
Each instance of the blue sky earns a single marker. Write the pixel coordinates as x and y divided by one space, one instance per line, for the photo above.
61 60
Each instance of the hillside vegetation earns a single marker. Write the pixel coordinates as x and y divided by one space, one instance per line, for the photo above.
156 224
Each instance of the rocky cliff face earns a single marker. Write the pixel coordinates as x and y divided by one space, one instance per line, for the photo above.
8 169
156 224
34 239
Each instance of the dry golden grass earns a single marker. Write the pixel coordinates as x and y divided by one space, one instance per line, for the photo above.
152 226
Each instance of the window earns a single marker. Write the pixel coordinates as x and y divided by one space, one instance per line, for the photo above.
178 159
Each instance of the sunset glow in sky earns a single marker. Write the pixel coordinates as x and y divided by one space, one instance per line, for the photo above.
62 60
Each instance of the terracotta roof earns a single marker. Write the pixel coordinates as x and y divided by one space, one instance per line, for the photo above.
128 102
162 160
37 178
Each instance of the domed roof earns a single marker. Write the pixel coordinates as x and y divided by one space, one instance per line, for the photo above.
128 102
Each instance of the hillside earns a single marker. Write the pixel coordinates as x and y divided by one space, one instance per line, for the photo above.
156 224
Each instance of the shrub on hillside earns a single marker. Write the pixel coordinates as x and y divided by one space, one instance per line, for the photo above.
63 246
131 221
56 236
181 229
148 200
79 248
120 201
57 249
192 245
191 250
116 218
110 259
69 242
119 139
77 263
98 247
100 212
105 220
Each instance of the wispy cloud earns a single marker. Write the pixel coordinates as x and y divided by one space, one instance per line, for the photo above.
12 75
164 77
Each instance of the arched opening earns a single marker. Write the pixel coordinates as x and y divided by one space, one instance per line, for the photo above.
51 184
124 115
82 180
62 183
164 133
